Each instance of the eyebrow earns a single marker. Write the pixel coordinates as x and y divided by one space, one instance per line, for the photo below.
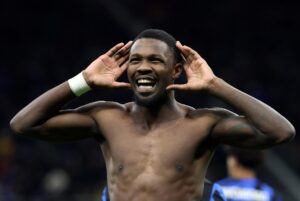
149 56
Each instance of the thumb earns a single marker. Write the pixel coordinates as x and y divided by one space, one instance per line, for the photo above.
177 86
121 85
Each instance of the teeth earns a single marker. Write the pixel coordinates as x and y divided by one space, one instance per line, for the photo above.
144 81
145 87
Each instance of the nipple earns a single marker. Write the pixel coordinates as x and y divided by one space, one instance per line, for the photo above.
120 168
179 167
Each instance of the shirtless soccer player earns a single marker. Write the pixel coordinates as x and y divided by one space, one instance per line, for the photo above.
155 148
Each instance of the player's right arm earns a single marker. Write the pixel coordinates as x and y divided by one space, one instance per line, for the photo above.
43 118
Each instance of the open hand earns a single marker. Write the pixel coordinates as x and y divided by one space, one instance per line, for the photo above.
106 69
199 74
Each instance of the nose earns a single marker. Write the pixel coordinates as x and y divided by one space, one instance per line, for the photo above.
144 69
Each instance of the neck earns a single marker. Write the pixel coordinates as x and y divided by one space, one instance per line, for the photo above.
164 109
242 173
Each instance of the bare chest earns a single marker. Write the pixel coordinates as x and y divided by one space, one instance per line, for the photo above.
175 143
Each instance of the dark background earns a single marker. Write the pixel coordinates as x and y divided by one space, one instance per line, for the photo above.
253 45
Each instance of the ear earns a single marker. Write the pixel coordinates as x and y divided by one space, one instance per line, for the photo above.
177 70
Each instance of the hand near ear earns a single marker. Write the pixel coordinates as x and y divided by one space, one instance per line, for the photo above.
106 69
199 74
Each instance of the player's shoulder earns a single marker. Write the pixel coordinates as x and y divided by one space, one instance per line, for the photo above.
102 105
214 112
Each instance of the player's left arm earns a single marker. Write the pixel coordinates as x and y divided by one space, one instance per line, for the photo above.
260 125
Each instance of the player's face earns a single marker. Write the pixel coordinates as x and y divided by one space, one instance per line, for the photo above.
150 69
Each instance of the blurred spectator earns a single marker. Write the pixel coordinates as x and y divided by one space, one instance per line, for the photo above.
242 183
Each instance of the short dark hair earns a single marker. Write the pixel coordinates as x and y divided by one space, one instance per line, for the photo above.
162 36
247 158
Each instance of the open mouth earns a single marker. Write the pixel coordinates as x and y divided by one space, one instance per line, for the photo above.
145 85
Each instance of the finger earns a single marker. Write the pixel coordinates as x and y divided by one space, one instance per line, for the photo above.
191 54
177 86
124 66
183 58
123 51
123 59
178 44
121 85
114 49
181 48
183 52
127 46
187 52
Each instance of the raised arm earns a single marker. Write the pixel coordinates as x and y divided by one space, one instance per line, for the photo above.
260 126
43 118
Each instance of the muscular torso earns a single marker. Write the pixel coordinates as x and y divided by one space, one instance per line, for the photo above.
165 161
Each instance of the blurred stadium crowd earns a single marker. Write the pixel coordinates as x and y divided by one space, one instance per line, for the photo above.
252 45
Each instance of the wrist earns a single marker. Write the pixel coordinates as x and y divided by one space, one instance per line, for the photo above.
214 84
79 85
87 77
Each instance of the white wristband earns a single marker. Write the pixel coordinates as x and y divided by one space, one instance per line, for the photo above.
78 85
